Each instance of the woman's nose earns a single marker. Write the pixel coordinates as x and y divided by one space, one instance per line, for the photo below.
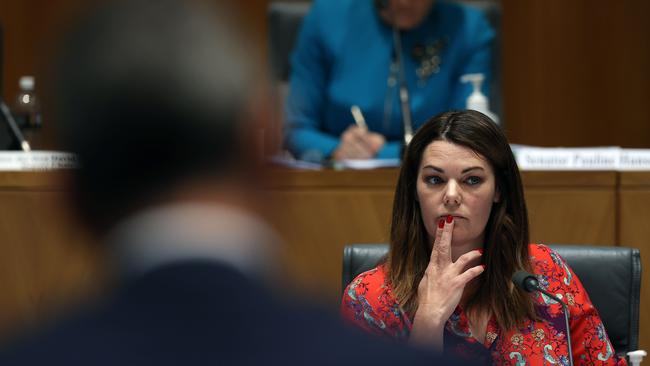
452 194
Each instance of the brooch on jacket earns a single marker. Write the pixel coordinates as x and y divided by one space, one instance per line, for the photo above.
428 58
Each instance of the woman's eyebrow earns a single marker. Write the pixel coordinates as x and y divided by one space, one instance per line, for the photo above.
472 168
440 170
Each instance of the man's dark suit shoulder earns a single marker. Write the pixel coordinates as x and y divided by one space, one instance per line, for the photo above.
204 313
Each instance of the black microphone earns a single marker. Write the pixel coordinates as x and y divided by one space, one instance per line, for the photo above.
529 283
13 126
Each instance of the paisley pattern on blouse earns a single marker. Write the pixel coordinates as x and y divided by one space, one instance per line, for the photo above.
368 303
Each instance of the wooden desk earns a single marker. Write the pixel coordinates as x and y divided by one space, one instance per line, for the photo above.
318 213
46 262
571 207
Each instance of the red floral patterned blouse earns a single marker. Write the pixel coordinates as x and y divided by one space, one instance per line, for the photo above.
368 302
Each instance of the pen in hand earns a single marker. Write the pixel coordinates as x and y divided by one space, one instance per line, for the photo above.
358 117
357 142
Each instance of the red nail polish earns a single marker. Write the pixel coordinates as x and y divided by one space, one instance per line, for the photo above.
480 250
483 265
450 219
441 223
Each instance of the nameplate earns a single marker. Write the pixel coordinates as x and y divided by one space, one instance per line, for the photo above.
600 158
36 160
634 159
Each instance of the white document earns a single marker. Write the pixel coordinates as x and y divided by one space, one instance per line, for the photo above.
364 164
36 160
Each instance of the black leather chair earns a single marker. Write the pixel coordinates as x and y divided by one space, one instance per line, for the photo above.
611 275
285 19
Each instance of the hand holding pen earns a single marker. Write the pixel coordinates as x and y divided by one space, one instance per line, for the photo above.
357 142
358 117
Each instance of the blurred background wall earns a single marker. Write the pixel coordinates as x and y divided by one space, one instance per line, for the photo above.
31 29
575 72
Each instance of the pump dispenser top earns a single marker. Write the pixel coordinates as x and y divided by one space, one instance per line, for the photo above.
636 357
477 100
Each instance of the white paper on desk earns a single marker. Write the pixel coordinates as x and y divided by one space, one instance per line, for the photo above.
363 164
289 162
36 160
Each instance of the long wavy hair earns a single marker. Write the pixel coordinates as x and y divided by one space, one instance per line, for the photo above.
506 232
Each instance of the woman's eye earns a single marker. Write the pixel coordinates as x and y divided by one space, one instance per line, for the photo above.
434 180
473 180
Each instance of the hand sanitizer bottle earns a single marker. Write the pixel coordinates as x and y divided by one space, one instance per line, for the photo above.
636 357
478 101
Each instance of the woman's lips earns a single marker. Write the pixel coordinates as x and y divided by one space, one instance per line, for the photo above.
443 217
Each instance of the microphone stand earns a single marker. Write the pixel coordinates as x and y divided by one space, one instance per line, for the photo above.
565 309
403 88
13 126
529 283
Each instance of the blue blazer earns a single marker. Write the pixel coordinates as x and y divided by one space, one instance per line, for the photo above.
343 56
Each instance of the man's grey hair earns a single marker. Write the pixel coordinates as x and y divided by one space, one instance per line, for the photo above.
151 92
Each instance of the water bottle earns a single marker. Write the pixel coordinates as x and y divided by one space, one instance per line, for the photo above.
27 110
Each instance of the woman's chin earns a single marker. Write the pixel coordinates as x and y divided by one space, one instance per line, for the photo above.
461 238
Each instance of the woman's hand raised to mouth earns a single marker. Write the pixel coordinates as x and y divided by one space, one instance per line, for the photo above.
441 287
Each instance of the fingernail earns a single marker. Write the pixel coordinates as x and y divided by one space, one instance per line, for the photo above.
441 223
450 219
483 265
480 251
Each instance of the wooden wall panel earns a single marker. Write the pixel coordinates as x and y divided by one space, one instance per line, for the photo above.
575 73
33 28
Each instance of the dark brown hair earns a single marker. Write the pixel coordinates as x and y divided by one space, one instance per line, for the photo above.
506 232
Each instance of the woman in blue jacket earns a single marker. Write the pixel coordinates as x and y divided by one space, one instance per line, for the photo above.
344 56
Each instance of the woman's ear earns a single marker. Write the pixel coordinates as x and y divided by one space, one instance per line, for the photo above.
497 196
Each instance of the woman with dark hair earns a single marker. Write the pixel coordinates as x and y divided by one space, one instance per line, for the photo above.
459 232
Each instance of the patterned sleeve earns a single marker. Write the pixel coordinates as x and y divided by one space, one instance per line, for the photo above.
589 341
368 304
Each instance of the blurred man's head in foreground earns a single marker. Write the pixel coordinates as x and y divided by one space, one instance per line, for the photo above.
152 94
